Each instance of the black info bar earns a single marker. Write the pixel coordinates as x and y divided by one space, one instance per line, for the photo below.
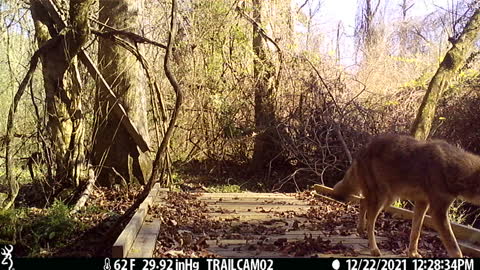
240 263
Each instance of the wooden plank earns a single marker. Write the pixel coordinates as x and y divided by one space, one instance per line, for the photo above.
125 240
247 195
259 208
260 203
290 238
155 190
249 198
462 232
255 201
273 222
469 249
144 244
250 216
253 214
154 193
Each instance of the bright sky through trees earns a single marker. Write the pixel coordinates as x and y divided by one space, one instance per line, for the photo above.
333 12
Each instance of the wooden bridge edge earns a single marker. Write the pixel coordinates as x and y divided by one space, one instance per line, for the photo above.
125 240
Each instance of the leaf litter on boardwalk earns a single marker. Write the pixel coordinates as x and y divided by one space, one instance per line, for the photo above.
186 228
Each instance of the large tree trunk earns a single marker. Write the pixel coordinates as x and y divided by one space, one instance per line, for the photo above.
63 87
453 61
114 149
266 142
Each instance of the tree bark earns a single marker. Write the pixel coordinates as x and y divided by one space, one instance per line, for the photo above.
156 174
266 142
61 49
114 150
453 61
62 92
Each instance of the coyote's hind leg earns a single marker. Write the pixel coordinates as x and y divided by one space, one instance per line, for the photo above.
419 212
374 206
442 225
362 211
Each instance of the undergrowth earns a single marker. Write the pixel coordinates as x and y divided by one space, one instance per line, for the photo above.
38 232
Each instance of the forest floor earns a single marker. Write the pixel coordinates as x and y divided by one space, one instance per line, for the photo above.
55 232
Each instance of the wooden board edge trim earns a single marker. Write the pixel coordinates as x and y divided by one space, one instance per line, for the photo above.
125 240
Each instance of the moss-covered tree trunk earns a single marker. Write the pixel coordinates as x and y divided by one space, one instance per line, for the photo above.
453 61
266 142
62 86
114 150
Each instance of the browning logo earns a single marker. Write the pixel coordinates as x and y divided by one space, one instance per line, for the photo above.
7 262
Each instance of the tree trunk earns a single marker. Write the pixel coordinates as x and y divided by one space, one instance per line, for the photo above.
405 6
63 99
367 32
114 149
266 142
453 61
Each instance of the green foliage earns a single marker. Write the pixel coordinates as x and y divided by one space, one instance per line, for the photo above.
37 230
56 226
456 212
93 210
8 226
400 203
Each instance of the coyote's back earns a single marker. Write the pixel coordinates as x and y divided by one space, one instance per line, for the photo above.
431 173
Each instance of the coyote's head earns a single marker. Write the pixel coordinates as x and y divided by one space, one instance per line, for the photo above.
6 252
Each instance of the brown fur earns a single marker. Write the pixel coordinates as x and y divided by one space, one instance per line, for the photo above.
431 173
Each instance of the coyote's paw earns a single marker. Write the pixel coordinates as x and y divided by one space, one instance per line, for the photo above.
376 252
414 254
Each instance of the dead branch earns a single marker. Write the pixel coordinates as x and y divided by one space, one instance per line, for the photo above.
173 81
136 38
339 111
86 193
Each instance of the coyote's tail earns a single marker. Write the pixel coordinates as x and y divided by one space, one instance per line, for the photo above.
349 185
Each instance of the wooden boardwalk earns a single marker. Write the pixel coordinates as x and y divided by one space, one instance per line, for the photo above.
274 210
279 216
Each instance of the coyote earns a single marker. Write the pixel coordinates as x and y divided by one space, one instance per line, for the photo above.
430 173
